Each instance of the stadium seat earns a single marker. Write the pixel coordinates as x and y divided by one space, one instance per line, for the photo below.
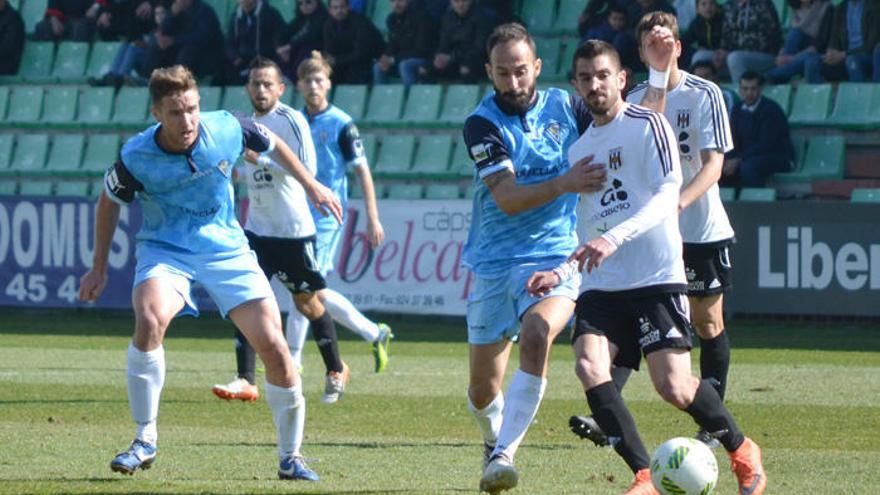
131 106
385 104
210 98
757 194
236 101
70 61
811 104
36 61
405 191
799 143
4 101
564 68
101 152
781 11
395 154
356 192
73 188
6 142
379 16
461 99
432 156
422 104
59 105
95 105
549 50
727 193
96 187
287 9
461 165
101 58
35 188
567 16
857 106
66 154
223 9
8 188
370 143
865 195
468 192
538 15
441 191
30 154
825 159
296 100
25 105
351 98
780 93
32 12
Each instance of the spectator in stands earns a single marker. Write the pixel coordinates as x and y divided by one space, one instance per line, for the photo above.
129 20
461 50
254 26
501 10
411 37
351 44
615 30
808 33
750 37
189 35
435 8
639 8
706 70
761 139
72 20
302 36
854 48
703 35
11 39
123 17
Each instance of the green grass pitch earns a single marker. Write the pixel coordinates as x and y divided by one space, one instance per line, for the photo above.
809 394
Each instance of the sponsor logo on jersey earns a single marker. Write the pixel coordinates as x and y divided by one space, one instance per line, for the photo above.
684 118
614 161
673 333
614 193
690 273
714 284
650 334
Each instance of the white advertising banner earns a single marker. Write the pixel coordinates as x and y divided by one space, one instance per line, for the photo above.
416 270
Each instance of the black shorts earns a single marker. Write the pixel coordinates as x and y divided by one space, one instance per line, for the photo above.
708 268
291 260
638 322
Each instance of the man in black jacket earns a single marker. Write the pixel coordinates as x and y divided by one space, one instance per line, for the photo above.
72 20
351 43
461 51
411 36
11 38
190 36
253 28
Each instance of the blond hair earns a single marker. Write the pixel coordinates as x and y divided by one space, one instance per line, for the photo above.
314 63
169 81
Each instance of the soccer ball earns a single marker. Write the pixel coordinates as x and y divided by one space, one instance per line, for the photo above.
684 466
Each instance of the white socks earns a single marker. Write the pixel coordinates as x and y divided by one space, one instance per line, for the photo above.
289 414
489 418
296 329
344 312
524 396
146 376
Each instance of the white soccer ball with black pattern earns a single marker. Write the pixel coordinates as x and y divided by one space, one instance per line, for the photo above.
684 466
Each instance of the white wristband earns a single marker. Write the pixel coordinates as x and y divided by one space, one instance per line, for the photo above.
658 79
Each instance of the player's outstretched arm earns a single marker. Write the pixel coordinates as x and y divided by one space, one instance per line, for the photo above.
375 231
106 217
659 50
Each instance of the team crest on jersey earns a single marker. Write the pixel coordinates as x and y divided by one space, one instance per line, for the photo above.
322 137
554 132
224 167
684 118
614 161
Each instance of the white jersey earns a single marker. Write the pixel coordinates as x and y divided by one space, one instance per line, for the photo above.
638 212
695 108
277 204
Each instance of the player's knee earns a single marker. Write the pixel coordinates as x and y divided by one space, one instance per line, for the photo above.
678 392
481 395
309 305
590 373
708 329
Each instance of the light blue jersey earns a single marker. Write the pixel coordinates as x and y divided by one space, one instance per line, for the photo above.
532 145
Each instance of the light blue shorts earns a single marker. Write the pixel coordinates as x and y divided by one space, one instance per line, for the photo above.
231 279
326 244
495 305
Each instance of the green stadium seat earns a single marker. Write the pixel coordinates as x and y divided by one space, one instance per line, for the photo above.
30 153
567 16
287 9
36 61
550 52
441 191
405 191
727 193
97 187
396 154
25 105
811 105
825 159
101 152
131 106
223 9
59 105
210 98
432 156
8 188
356 192
74 188
468 192
461 165
757 194
32 12
865 195
781 11
780 93
461 99
422 104
4 101
571 46
856 107
35 188
385 104
371 143
352 99
538 15
236 100
6 142
799 143
95 105
296 100
101 58
71 61
379 16
66 154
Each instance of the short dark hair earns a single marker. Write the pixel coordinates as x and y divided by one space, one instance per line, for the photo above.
617 7
591 49
656 18
751 75
704 64
511 31
264 63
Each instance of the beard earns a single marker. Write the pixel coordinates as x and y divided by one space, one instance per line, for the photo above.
517 100
262 106
601 106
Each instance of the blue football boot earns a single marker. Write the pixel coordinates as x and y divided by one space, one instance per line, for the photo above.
295 468
140 455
